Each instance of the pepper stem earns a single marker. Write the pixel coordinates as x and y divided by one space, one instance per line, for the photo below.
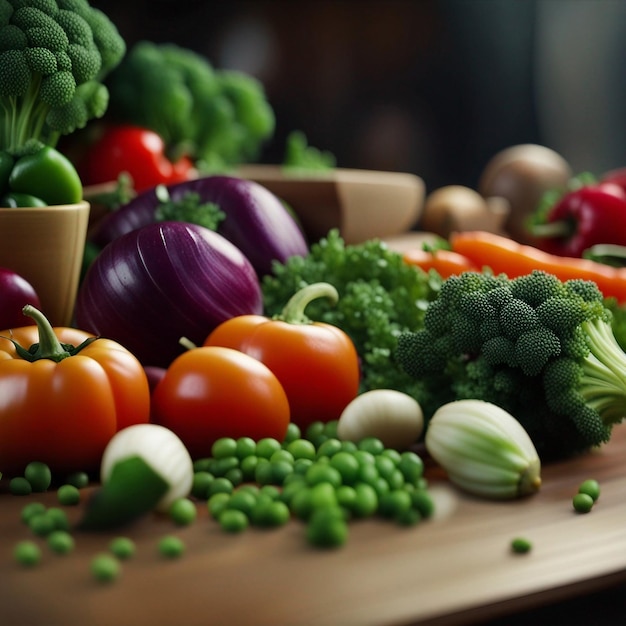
293 312
49 346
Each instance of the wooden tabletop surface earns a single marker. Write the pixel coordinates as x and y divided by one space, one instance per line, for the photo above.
454 569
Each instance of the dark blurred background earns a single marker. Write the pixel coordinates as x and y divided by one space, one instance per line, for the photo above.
432 87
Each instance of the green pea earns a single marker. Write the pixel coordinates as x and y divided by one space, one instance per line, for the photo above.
521 545
105 568
78 479
347 466
279 470
234 475
582 502
422 502
282 456
233 521
224 447
266 447
60 541
217 503
329 447
290 489
410 517
393 454
58 517
327 528
270 490
396 480
346 496
315 430
248 467
323 495
301 449
27 553
243 501
373 445
38 475
385 466
171 547
222 465
263 472
122 547
330 429
591 488
42 525
19 486
68 495
368 473
183 512
394 503
366 503
411 466
270 513
32 509
364 457
246 446
220 485
301 503
349 446
203 465
293 433
319 473
301 466
200 485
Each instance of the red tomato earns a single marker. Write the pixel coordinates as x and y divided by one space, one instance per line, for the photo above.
138 151
212 392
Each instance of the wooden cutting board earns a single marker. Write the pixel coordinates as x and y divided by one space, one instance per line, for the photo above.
453 569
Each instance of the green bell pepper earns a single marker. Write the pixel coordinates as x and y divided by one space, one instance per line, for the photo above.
46 174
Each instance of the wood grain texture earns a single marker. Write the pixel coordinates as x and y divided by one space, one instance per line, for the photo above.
454 569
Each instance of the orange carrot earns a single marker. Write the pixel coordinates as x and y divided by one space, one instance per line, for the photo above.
445 262
506 256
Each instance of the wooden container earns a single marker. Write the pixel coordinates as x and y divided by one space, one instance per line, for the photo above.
45 245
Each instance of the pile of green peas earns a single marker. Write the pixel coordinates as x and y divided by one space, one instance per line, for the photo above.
317 478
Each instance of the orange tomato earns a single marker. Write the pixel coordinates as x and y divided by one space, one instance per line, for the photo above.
316 363
64 413
212 392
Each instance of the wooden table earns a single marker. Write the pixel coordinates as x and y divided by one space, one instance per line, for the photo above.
454 569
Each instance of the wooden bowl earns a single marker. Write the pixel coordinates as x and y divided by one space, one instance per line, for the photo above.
362 204
45 246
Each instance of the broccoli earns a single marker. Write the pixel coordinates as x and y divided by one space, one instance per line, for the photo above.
542 349
216 118
54 55
189 208
379 297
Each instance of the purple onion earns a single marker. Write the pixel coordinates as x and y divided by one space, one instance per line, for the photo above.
256 220
164 281
15 293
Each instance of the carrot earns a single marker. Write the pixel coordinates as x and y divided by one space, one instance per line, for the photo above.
504 255
444 262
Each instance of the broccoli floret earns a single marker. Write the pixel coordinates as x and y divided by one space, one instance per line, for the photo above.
49 50
216 118
555 365
380 297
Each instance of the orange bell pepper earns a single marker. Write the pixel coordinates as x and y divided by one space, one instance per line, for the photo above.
64 394
316 363
445 262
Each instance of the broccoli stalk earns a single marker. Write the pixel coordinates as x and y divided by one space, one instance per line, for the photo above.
542 349
54 55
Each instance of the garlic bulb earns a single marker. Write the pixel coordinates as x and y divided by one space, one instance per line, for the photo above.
392 416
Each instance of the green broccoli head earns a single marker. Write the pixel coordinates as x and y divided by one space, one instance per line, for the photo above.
217 118
542 349
49 49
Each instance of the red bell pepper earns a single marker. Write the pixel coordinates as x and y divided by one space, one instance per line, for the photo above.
590 215
139 152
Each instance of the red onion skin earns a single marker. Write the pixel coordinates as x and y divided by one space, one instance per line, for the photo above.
164 281
256 221
15 293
